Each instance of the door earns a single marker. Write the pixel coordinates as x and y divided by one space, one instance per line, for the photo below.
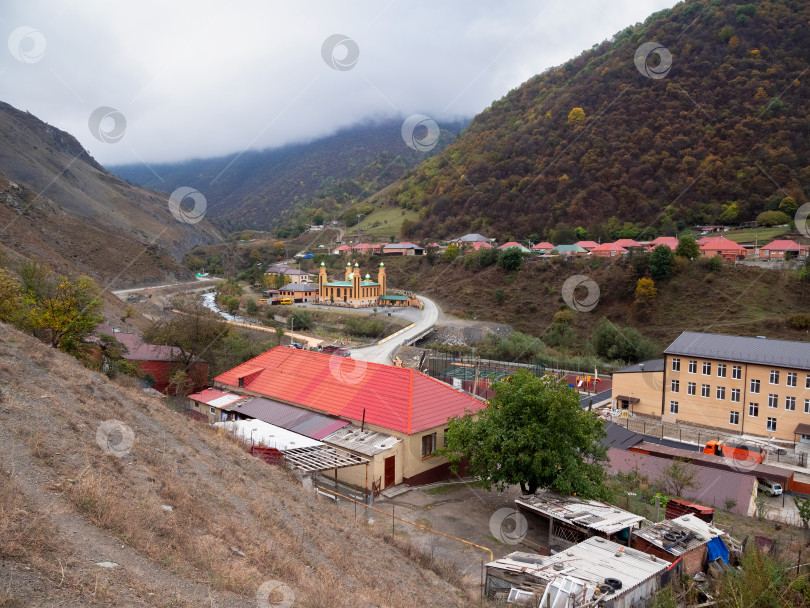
390 471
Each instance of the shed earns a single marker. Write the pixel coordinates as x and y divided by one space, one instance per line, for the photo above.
684 538
596 569
556 522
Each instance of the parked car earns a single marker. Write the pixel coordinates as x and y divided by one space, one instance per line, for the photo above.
770 488
340 351
296 345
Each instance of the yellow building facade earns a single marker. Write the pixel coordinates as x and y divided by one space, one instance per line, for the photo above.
354 290
752 386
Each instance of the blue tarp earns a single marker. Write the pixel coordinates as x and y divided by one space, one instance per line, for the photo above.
717 549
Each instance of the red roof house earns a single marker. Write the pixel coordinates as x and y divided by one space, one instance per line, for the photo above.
780 248
342 249
406 409
723 247
476 245
608 250
627 243
669 241
588 244
543 247
393 398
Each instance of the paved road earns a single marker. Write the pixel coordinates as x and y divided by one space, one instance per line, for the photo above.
381 353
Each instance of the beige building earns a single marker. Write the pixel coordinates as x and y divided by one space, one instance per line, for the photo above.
742 385
637 389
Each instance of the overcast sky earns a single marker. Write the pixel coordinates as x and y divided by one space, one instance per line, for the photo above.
185 78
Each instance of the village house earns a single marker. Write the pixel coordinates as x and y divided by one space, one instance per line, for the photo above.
587 245
476 245
543 247
474 237
158 361
342 250
402 249
368 248
209 404
399 414
570 250
608 250
514 245
669 241
782 250
299 292
722 247
288 273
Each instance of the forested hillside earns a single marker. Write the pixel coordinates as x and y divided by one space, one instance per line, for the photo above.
288 186
720 137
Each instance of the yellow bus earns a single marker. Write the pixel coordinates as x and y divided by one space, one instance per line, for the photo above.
285 301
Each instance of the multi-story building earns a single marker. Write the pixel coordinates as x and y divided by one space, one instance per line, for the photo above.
745 385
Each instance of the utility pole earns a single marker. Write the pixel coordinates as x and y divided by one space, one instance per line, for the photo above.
359 217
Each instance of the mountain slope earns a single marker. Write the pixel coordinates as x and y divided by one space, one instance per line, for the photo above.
235 522
251 190
729 122
59 205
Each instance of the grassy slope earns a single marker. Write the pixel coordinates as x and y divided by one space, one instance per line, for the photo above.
740 300
64 504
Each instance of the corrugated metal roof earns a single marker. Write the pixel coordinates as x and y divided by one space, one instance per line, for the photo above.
760 351
678 536
394 398
714 485
296 419
592 514
591 561
619 437
268 435
364 442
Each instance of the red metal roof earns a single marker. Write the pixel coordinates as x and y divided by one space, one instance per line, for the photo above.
587 244
627 243
609 247
783 245
208 395
669 241
510 244
542 246
721 243
394 398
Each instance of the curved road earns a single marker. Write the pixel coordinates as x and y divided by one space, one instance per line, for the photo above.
381 353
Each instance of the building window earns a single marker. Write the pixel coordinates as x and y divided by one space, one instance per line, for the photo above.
755 386
707 368
721 370
676 365
705 390
807 406
693 367
773 401
736 372
690 388
428 445
792 378
213 410
807 381
790 404
774 379
753 410
771 425
675 386
735 395
673 407
734 418
721 392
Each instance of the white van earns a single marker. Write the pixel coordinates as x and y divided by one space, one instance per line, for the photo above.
770 488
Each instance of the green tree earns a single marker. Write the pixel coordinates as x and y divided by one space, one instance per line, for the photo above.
678 477
510 259
611 342
803 506
661 260
59 309
581 233
532 433
731 212
687 248
452 252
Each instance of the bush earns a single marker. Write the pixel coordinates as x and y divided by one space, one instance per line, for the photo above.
511 259
250 305
611 342
715 264
500 296
302 320
772 218
800 321
371 328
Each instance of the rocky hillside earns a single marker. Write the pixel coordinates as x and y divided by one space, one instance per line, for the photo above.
59 205
710 127
155 511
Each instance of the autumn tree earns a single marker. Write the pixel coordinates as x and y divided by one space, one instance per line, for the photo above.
533 433
772 218
646 291
59 309
278 249
10 301
576 115
789 206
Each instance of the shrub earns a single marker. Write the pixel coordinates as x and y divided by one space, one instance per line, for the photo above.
800 321
772 218
510 259
612 342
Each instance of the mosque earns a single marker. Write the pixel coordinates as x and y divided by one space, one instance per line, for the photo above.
355 290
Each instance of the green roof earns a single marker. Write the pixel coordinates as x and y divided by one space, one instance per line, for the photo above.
350 284
394 298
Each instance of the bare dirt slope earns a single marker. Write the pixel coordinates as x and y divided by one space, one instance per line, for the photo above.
67 505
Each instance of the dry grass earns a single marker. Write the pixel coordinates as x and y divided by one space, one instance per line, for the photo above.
221 498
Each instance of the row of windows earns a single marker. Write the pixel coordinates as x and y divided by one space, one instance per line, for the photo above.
720 392
734 417
791 378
